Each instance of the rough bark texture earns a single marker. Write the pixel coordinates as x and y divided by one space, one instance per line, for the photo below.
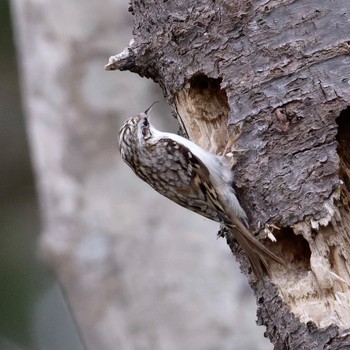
278 72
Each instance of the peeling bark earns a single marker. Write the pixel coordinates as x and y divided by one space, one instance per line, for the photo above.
279 73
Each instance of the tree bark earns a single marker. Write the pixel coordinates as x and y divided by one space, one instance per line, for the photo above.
278 72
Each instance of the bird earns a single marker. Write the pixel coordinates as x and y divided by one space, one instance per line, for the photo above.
192 177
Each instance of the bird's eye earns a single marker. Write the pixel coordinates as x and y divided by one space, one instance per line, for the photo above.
145 127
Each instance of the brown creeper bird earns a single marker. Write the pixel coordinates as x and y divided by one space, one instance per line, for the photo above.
191 177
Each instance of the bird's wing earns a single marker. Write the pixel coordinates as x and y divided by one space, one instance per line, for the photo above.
187 179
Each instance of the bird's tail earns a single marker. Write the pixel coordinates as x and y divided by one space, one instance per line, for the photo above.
257 253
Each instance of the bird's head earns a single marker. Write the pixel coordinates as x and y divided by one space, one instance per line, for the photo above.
134 133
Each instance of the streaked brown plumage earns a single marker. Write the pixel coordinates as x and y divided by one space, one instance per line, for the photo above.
191 177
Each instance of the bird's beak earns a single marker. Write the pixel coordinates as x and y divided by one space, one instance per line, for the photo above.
150 107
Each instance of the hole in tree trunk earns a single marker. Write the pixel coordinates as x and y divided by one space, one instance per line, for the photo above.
295 249
343 138
203 108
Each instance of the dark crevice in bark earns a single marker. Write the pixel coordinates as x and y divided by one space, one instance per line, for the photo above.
343 138
294 248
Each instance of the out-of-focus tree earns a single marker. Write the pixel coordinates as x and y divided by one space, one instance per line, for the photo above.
138 271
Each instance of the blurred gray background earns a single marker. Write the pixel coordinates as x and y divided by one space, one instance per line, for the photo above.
167 282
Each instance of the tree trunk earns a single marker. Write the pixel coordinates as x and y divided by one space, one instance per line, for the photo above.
279 73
